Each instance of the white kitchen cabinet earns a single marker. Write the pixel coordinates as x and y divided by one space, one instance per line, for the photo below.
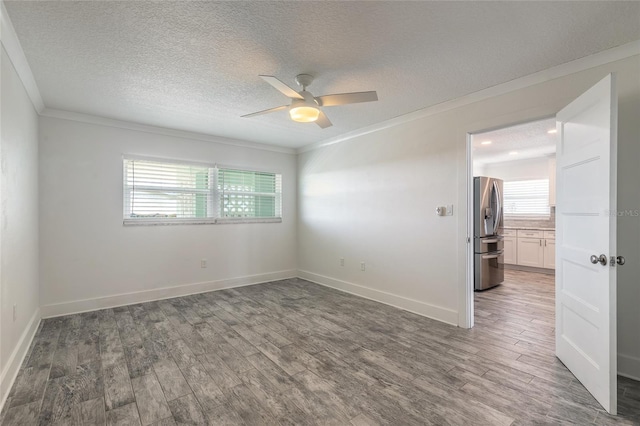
549 253
530 252
530 247
530 233
510 232
510 250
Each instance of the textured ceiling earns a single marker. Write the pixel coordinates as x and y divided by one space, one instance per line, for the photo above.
195 65
529 140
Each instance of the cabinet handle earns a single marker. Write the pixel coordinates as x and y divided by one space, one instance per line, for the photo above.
545 243
540 243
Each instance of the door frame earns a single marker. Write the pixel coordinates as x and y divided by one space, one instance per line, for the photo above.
467 317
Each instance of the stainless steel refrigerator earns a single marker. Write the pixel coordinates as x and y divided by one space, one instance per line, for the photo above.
487 232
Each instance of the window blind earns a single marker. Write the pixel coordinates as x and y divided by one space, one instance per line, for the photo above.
526 197
169 192
246 194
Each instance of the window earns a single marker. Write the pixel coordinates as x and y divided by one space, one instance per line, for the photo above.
161 191
248 194
526 198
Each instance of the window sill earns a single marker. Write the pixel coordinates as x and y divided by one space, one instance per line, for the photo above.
249 220
163 222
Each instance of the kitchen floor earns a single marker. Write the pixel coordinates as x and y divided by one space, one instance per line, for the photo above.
523 309
293 352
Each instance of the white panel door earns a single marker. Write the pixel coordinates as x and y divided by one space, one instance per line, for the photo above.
552 181
585 226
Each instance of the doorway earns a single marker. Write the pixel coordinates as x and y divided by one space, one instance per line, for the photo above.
517 300
585 288
518 162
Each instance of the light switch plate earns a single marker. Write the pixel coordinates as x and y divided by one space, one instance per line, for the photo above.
444 210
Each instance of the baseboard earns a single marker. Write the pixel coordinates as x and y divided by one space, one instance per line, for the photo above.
78 306
439 313
629 366
10 371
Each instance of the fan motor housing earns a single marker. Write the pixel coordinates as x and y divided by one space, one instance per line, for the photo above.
304 80
308 100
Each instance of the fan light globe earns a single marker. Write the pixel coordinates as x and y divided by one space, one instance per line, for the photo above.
304 114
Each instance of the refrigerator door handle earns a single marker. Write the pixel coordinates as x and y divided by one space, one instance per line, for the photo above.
492 240
492 256
498 207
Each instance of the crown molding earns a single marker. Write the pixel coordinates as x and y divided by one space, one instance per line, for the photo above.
12 46
597 59
121 124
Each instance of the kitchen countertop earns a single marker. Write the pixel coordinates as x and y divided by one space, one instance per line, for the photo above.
530 228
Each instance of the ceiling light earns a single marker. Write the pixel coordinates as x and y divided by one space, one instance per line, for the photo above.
513 153
552 131
304 114
485 143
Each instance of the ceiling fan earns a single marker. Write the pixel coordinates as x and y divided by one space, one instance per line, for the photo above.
304 107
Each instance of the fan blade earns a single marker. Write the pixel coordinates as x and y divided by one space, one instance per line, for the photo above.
347 98
286 90
323 121
266 111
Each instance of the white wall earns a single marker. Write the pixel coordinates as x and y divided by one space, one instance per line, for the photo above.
530 168
479 169
372 198
86 253
18 221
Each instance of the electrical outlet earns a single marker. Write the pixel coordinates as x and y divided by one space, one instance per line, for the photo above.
342 261
203 263
15 312
362 266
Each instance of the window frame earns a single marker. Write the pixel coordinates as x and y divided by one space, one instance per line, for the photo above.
213 192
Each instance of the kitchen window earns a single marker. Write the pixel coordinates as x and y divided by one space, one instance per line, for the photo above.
172 192
526 198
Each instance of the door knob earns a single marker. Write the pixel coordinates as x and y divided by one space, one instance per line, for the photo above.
620 260
602 259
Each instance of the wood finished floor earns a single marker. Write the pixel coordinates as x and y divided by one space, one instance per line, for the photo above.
292 352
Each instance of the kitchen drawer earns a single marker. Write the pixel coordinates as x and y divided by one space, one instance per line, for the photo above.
510 232
530 233
550 235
